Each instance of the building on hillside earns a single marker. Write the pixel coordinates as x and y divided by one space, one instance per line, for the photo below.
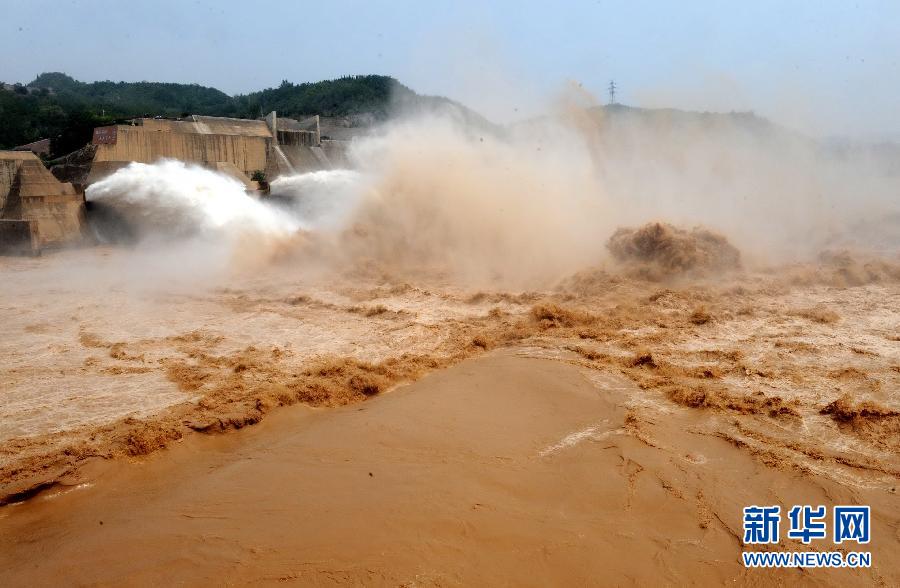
36 209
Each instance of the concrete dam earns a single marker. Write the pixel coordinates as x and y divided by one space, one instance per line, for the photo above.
40 209
274 146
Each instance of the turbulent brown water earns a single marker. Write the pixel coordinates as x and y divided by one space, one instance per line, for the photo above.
799 365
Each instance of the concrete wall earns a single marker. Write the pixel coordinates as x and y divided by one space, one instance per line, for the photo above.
19 237
29 192
137 143
207 125
336 151
302 159
307 138
9 169
217 125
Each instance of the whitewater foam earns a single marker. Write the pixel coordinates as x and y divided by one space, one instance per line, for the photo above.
173 199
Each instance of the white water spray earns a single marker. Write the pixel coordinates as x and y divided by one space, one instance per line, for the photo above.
321 200
173 199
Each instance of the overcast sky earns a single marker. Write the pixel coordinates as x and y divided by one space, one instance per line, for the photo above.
825 67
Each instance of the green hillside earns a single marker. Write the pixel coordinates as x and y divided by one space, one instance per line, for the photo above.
130 98
340 97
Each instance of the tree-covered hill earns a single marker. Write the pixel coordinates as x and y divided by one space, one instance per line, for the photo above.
340 97
130 98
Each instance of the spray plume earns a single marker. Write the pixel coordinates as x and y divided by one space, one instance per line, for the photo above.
529 204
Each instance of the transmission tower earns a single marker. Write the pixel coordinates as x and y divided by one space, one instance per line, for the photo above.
612 91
